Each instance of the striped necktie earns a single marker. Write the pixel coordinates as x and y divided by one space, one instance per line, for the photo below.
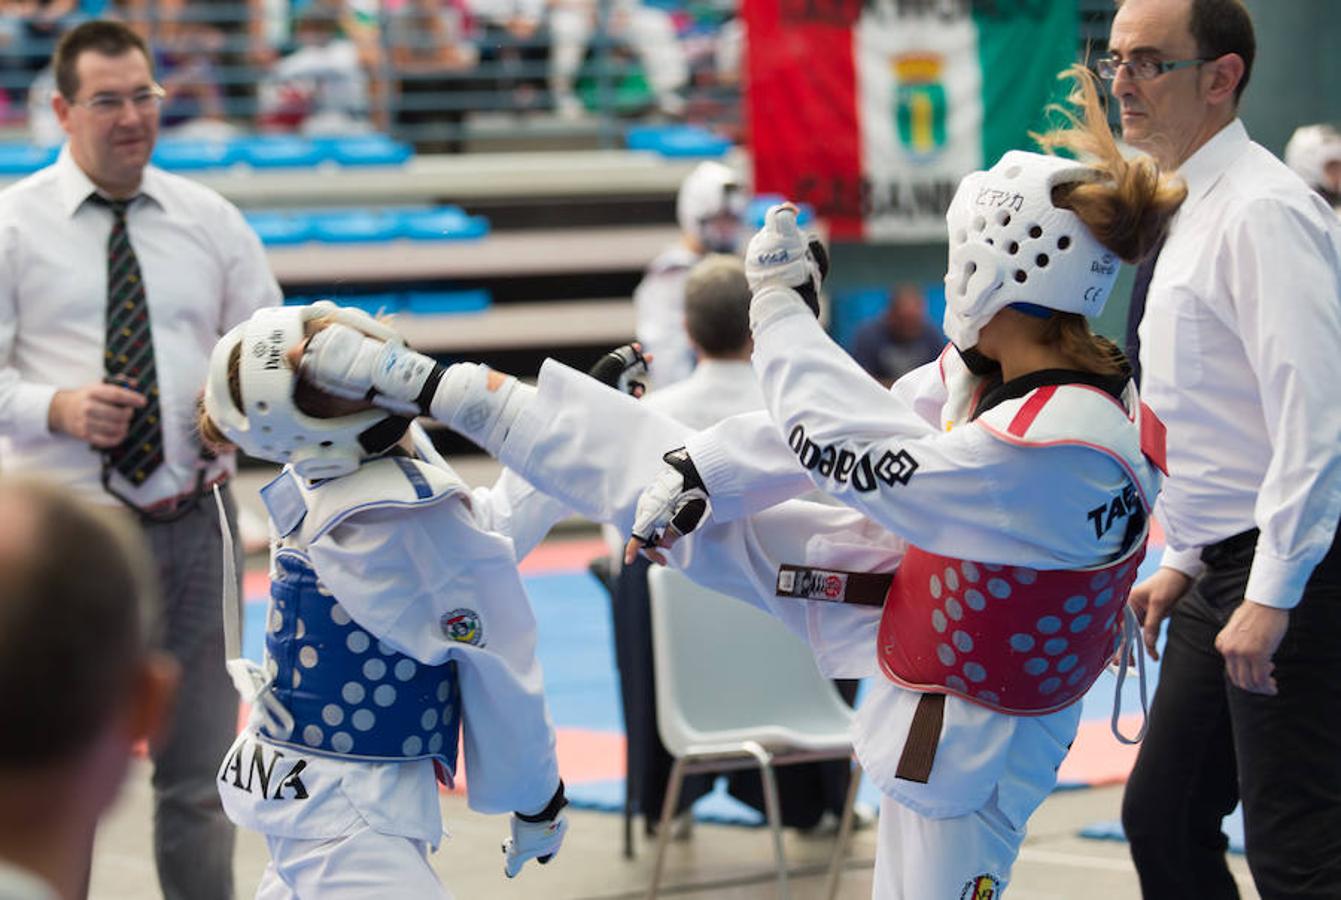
129 352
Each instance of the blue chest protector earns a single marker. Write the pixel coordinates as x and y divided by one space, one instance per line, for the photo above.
350 694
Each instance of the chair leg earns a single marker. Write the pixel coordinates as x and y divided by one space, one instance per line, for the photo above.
668 804
773 810
844 834
628 821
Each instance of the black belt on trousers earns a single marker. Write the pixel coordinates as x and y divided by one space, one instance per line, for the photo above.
1221 551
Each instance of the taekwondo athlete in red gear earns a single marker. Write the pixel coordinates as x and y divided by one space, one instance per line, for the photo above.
949 467
397 625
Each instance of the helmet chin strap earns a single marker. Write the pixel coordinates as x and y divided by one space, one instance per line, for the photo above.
977 363
383 436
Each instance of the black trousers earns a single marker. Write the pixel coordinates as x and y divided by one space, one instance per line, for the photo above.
1210 745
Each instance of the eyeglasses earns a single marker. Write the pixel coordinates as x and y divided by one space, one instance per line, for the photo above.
109 106
1142 68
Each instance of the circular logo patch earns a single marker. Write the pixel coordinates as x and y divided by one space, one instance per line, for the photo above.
463 626
981 887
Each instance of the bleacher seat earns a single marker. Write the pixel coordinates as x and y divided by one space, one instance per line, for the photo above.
22 159
186 155
364 150
676 140
280 228
420 303
350 226
428 303
278 151
441 223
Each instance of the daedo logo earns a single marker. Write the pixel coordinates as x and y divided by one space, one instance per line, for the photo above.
846 467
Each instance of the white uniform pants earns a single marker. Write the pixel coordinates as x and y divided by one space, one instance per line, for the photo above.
365 865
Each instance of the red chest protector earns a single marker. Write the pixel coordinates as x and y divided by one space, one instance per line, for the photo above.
1015 640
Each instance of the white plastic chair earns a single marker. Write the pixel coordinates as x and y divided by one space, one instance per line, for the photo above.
736 690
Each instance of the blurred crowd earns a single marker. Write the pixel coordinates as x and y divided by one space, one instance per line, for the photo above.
319 67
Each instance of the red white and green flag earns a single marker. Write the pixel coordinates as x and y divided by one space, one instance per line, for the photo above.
873 111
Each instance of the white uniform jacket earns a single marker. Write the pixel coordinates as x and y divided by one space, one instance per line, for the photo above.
400 564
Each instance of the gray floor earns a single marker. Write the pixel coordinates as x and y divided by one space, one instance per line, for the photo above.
717 861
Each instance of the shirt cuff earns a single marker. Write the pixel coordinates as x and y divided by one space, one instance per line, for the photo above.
1186 561
1276 582
32 409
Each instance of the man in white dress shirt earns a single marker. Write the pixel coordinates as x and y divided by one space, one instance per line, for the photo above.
1239 350
83 683
116 280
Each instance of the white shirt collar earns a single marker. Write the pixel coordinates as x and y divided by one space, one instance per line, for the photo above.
1203 168
74 186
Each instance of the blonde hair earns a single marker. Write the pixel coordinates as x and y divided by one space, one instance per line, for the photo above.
1128 209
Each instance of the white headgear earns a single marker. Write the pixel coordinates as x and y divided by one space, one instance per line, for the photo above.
710 191
270 426
1010 244
1310 149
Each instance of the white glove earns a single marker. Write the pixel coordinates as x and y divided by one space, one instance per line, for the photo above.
781 257
670 507
532 840
347 363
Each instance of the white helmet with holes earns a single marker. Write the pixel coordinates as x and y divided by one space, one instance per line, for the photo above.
711 207
269 425
1010 245
1310 149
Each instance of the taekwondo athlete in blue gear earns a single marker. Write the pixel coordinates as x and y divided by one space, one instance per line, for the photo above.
397 626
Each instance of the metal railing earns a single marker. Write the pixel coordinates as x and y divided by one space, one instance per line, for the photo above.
577 73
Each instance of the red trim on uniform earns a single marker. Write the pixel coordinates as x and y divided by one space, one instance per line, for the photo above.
1030 409
1147 503
1153 435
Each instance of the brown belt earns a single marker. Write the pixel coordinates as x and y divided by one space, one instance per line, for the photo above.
870 589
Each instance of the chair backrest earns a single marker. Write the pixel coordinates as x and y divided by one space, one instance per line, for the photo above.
727 672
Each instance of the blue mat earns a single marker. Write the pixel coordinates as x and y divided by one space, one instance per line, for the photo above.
1112 831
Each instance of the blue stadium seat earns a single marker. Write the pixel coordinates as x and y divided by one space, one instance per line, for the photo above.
443 223
347 226
446 302
676 140
278 152
22 159
280 228
183 155
373 304
364 150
